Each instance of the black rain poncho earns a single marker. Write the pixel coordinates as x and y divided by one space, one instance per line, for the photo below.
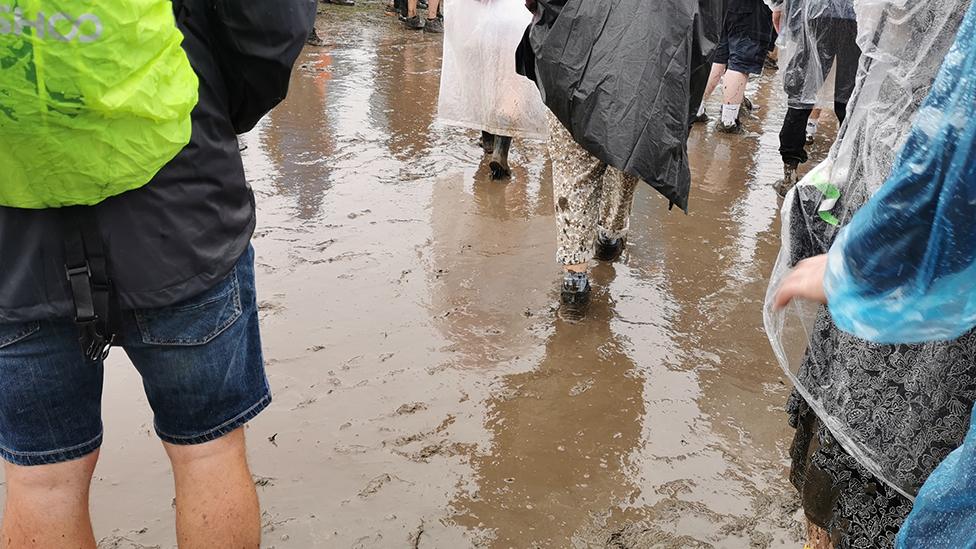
625 76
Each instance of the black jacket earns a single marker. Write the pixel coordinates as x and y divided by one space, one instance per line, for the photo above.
751 18
185 230
625 77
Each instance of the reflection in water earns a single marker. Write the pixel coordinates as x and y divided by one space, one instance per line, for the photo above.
408 101
561 436
300 137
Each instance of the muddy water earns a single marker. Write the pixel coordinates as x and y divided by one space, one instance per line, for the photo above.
426 393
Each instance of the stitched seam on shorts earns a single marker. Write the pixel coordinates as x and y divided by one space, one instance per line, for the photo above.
264 401
52 452
30 329
146 336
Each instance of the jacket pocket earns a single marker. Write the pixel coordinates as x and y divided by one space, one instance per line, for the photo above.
196 321
16 332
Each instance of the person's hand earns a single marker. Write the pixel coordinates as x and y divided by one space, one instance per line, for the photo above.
805 282
530 5
778 21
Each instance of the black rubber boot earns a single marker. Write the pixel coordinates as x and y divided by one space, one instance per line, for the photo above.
575 295
488 142
414 23
609 250
314 39
499 158
434 25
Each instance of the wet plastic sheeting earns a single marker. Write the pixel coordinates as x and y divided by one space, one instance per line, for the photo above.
904 270
811 32
891 406
621 74
479 86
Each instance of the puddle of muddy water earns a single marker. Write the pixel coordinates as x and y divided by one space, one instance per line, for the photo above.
427 395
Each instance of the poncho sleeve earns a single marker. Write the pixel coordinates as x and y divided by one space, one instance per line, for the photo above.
904 269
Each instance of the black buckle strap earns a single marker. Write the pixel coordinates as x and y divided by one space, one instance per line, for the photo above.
96 306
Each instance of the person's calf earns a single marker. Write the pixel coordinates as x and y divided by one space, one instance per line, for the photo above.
47 505
733 96
216 503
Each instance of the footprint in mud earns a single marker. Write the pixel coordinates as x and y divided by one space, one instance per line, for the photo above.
305 403
433 443
376 485
117 541
268 308
582 387
411 408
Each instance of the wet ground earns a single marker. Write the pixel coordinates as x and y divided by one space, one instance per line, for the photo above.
426 392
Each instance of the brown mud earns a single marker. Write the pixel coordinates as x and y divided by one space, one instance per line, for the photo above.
426 392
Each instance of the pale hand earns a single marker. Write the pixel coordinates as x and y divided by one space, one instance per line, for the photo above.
805 282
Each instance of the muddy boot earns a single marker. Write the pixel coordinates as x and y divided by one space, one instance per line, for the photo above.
488 142
575 295
735 128
499 158
747 104
435 25
789 180
314 39
609 250
414 23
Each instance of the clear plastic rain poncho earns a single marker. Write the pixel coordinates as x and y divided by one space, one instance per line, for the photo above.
814 37
480 89
898 409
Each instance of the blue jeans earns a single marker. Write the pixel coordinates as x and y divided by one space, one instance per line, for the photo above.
200 362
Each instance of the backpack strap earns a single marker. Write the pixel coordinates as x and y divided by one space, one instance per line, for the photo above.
97 310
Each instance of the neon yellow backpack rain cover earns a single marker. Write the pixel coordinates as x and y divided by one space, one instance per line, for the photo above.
95 98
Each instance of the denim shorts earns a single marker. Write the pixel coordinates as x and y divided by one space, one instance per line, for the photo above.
741 53
200 362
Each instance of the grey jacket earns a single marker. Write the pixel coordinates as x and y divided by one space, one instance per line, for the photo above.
185 230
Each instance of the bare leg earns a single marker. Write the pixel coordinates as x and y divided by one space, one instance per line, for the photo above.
718 70
47 505
411 8
216 503
734 88
817 537
432 6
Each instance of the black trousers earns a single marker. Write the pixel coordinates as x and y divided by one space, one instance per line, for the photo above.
827 40
793 136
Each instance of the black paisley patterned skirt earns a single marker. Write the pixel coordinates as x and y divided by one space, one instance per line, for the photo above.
839 495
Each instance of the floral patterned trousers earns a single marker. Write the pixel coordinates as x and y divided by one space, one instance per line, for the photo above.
589 195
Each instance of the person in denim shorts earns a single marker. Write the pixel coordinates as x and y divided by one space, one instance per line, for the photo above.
747 39
179 257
